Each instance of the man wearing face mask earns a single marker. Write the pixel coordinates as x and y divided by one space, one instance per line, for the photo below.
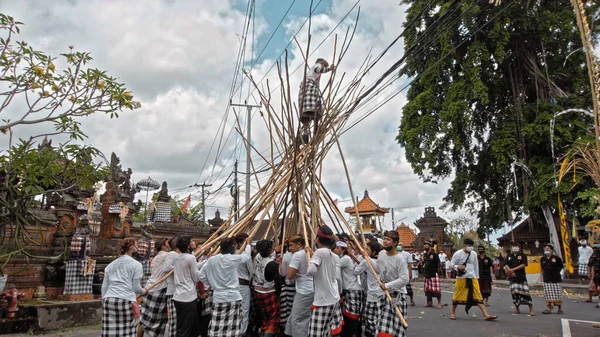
485 274
466 291
585 252
409 260
551 267
431 265
514 265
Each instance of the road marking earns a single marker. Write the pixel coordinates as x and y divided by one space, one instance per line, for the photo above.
566 328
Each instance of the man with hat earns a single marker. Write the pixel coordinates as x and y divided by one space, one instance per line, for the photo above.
326 312
552 265
394 277
431 266
309 96
514 265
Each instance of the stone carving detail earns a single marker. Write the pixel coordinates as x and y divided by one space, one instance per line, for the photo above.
163 194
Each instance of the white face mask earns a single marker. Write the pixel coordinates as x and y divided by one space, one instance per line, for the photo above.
469 249
515 249
583 242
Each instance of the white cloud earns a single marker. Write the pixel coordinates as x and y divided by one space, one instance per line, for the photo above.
179 58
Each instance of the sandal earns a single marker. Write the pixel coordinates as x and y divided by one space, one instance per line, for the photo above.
546 312
452 318
490 318
560 312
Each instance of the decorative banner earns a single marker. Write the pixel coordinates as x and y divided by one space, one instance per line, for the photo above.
564 236
563 222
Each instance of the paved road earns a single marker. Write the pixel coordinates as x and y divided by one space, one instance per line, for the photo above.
435 322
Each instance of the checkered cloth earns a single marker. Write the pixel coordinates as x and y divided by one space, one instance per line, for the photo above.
325 321
226 320
432 285
582 270
145 250
207 304
162 213
287 299
352 303
553 293
146 272
171 328
389 323
75 282
117 318
268 306
310 99
370 318
520 293
77 244
114 209
154 313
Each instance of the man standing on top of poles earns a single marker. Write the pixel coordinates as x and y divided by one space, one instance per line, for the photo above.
310 100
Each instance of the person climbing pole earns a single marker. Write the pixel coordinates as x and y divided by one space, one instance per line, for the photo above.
309 97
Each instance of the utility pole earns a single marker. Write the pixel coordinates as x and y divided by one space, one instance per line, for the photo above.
249 141
203 185
392 218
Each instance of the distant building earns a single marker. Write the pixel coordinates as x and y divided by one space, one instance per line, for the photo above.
370 214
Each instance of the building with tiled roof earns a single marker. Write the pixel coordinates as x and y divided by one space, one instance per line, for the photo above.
532 234
407 236
370 213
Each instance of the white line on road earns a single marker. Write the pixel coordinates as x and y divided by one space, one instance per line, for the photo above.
566 328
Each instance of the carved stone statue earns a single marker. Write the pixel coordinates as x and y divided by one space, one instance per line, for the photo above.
83 226
163 194
147 232
45 144
117 174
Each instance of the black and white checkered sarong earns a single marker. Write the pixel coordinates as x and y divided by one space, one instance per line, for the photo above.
389 322
226 320
310 99
154 313
207 304
75 282
325 321
117 318
520 293
145 272
582 270
553 292
370 318
287 299
353 303
171 329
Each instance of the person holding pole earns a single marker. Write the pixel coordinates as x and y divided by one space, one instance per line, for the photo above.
297 322
394 277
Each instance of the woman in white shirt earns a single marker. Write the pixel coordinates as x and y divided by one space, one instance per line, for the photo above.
121 283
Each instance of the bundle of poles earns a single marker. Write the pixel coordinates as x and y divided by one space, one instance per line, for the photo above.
295 192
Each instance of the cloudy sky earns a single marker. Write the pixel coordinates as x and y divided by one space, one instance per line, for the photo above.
179 57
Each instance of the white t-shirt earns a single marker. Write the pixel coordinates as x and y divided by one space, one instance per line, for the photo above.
472 267
584 254
349 279
304 283
220 272
443 257
156 269
394 271
186 275
374 291
119 275
325 268
167 267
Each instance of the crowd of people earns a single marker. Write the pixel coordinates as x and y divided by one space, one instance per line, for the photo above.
338 287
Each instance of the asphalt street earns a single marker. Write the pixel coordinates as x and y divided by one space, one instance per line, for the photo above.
576 321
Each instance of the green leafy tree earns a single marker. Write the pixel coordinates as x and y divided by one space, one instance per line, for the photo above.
57 98
488 81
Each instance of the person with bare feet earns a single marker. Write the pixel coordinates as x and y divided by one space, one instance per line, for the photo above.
466 291
431 265
515 264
